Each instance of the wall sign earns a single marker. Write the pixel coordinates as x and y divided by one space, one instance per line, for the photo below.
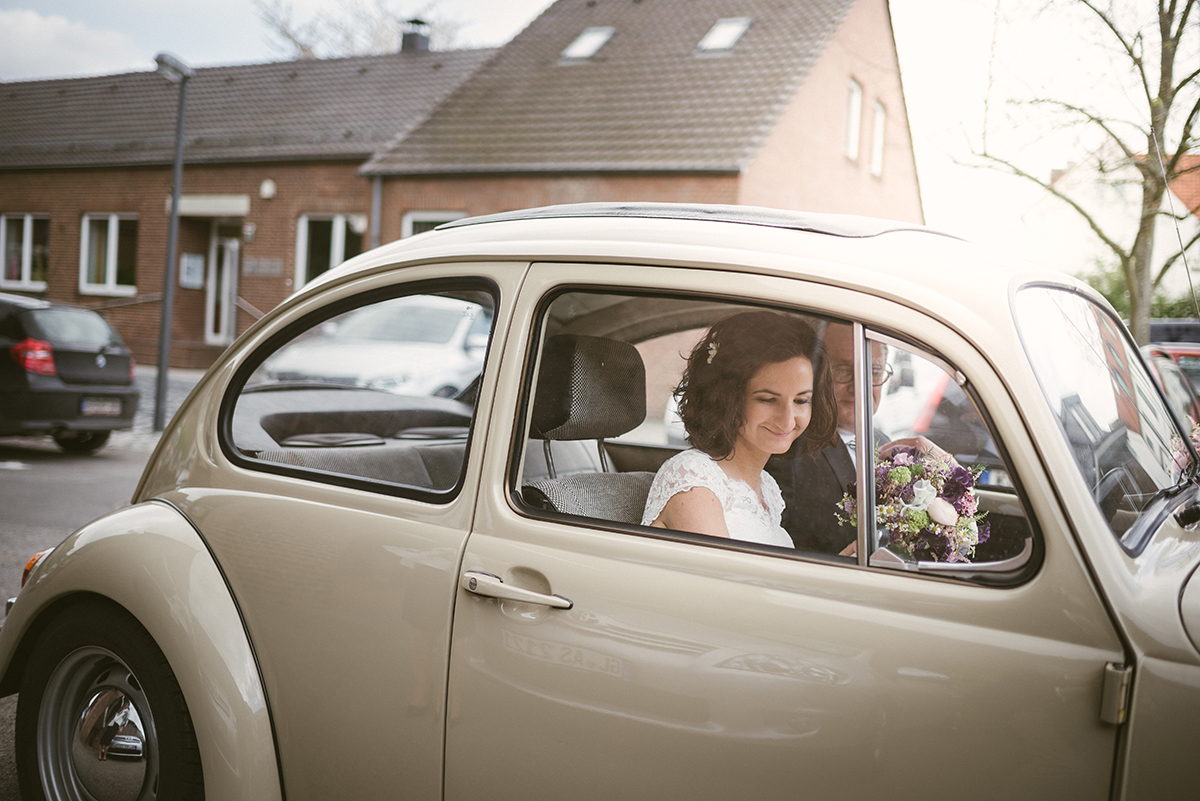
191 271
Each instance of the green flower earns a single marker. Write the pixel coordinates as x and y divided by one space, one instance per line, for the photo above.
899 476
917 519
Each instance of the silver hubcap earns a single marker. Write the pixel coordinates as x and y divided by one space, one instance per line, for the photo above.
96 738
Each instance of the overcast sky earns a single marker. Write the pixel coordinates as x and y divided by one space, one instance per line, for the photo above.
951 52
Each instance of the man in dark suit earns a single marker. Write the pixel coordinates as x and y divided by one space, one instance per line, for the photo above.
813 486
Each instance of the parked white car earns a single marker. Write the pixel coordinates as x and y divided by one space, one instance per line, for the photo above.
427 345
325 591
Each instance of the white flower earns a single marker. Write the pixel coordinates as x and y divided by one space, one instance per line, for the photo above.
940 511
923 495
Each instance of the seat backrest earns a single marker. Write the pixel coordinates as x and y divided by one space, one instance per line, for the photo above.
589 388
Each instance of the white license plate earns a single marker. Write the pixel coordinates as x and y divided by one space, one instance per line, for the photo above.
101 407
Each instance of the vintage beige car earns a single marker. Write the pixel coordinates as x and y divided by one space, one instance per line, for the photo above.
323 590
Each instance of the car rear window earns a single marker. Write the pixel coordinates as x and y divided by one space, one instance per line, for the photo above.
76 326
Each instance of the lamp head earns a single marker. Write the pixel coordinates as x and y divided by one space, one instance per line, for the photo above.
172 68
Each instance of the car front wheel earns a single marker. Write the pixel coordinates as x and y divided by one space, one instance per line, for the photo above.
101 716
81 441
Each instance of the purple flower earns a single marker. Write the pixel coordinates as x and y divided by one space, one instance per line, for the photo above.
958 484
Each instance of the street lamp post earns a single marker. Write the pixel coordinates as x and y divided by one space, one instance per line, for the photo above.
174 71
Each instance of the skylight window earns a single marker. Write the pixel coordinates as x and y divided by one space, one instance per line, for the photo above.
724 34
587 43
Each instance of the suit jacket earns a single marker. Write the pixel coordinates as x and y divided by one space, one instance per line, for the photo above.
812 488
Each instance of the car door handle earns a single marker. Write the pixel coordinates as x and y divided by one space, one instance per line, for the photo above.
490 586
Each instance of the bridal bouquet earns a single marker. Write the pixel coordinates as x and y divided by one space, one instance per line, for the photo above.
926 504
1179 452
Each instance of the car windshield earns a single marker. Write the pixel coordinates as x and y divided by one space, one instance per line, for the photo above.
1109 408
401 322
74 326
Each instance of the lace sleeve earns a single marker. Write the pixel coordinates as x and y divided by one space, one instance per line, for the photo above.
680 473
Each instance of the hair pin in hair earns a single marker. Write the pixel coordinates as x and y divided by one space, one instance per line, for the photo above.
712 351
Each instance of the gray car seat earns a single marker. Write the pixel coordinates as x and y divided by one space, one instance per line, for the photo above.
589 388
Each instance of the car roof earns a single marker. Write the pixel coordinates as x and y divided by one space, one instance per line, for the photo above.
966 286
844 225
1178 348
23 301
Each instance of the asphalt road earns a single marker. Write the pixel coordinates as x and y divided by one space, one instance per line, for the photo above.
45 495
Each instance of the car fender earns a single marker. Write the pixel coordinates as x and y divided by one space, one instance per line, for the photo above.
150 560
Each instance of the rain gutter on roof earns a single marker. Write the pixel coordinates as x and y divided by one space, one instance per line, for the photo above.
373 167
848 226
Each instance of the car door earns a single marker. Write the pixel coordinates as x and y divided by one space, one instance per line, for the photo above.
656 664
337 514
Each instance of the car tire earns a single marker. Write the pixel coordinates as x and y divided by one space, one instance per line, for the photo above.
81 441
100 714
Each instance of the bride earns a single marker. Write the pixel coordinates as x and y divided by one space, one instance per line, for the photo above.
748 392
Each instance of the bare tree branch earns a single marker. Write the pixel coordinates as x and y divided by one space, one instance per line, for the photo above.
1128 46
1170 261
1052 189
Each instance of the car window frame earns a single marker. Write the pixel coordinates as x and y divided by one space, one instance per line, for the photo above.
307 322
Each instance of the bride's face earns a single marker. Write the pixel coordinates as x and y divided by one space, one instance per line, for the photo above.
777 408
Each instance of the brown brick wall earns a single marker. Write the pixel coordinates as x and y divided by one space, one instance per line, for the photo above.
802 165
66 195
476 195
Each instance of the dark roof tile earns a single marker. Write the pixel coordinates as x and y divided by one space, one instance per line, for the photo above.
343 108
646 101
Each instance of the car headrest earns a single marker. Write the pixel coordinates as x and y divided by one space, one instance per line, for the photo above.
588 388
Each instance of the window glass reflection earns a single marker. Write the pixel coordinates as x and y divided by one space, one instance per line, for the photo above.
1110 411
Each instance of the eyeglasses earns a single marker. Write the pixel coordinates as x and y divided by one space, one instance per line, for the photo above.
844 374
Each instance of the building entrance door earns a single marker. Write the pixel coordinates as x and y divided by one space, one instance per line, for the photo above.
220 304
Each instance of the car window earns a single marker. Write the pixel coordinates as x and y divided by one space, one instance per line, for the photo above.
379 394
1108 407
925 406
603 419
74 326
1191 366
1175 385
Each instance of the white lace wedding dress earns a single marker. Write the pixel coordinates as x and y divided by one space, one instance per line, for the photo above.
745 517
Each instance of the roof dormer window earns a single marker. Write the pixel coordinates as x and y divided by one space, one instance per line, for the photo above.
723 35
587 43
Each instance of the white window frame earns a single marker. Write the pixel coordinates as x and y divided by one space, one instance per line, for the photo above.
337 245
24 282
439 217
854 102
878 132
110 285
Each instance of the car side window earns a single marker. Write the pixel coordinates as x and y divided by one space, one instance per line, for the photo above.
926 421
380 395
602 420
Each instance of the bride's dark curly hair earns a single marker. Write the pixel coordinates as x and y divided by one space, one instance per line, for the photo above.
712 391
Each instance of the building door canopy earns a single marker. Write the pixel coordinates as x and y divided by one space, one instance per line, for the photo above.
211 205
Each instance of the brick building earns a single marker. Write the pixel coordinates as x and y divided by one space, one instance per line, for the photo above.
292 167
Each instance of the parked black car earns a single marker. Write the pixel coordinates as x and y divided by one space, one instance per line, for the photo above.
64 372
